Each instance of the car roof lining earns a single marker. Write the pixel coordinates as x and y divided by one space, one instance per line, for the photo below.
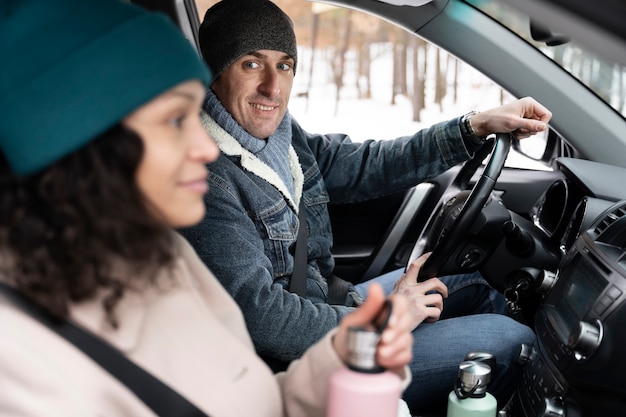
417 16
579 20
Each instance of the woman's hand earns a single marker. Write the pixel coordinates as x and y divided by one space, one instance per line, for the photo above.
394 350
426 298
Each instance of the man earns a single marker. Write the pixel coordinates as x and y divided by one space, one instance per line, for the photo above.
269 163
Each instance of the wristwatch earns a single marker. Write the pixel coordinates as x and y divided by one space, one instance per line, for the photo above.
466 126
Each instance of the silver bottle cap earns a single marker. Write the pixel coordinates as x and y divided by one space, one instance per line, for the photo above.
484 357
362 345
474 376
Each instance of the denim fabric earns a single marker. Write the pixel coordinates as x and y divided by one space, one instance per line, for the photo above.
247 236
472 320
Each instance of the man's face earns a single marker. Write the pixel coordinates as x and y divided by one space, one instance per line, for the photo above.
255 90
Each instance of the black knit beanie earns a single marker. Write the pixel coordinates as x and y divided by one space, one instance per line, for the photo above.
233 28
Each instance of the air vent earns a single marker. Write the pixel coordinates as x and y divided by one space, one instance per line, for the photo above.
611 225
610 218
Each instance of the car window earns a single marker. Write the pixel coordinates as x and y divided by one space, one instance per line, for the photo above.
346 80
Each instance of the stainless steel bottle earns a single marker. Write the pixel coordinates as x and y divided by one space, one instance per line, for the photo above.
470 398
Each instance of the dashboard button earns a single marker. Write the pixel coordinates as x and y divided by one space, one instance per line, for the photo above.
602 304
613 293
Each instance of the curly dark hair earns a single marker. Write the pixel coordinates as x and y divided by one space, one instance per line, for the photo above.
64 227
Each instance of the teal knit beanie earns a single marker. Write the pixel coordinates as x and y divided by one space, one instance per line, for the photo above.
71 69
233 28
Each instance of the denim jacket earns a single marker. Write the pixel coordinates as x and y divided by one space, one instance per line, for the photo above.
248 233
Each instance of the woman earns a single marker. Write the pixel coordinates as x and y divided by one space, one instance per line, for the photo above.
102 155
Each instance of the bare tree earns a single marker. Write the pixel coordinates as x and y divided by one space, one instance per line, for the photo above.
393 40
364 80
441 83
403 51
602 79
339 58
418 98
314 32
455 78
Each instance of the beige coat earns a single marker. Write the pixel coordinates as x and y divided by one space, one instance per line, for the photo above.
192 336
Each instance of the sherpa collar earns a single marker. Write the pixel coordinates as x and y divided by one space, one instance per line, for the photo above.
229 146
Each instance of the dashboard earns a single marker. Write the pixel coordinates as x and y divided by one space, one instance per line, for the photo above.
572 203
576 367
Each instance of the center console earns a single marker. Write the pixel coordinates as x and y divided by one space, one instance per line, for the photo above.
578 366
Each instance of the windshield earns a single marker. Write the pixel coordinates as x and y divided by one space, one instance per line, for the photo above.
604 77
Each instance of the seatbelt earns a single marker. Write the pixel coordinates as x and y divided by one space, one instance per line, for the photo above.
158 396
297 284
337 287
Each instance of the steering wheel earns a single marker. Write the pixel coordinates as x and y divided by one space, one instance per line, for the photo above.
457 209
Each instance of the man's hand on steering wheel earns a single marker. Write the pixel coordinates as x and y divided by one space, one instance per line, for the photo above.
522 118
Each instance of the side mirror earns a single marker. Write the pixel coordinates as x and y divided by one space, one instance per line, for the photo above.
534 147
541 33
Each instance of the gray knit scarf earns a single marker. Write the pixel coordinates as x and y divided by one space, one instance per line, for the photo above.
274 151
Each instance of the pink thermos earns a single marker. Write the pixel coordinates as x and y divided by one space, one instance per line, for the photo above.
363 389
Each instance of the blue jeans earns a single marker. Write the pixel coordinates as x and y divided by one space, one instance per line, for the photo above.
472 320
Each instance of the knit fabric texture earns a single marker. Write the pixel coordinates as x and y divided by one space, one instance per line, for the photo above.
234 28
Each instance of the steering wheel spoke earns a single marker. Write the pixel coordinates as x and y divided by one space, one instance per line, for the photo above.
458 209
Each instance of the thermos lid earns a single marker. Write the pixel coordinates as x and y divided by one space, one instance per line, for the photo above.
474 376
363 341
362 345
484 357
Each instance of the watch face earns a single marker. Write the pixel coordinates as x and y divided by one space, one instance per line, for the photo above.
467 125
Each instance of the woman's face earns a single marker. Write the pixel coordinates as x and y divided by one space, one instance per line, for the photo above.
172 174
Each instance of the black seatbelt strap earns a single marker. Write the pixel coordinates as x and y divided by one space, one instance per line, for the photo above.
337 287
158 396
298 277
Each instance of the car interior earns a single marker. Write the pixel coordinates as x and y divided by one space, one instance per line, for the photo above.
552 240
